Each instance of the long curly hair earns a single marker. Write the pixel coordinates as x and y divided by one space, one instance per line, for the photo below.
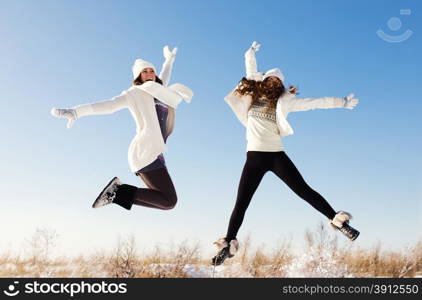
267 91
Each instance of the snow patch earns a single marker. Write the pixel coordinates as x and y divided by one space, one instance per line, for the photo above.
317 262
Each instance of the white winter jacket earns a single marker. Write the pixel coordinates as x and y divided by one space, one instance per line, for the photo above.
285 104
148 142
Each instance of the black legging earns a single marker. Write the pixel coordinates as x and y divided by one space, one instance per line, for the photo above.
160 193
257 164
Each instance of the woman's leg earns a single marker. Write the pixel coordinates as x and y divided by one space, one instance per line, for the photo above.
252 174
160 193
284 168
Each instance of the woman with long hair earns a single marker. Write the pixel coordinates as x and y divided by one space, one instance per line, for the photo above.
261 102
152 104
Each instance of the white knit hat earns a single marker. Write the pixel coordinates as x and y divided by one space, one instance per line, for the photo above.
274 72
139 65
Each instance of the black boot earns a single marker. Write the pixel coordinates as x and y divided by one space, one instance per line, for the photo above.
341 223
221 256
125 195
225 250
116 192
349 231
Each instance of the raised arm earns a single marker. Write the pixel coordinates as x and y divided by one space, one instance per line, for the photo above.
250 62
98 108
169 56
303 104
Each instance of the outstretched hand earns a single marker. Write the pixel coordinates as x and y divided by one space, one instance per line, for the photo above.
351 102
255 46
67 113
169 54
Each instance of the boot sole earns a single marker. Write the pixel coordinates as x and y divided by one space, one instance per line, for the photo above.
102 193
215 264
355 237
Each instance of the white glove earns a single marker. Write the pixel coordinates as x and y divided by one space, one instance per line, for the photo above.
169 55
255 46
68 113
252 50
350 102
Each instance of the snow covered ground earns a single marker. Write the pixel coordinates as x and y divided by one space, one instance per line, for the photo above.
313 263
300 267
318 259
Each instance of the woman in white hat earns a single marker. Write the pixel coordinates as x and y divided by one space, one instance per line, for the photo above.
261 103
152 104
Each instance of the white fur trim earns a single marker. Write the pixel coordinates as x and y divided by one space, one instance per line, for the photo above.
234 246
340 218
220 244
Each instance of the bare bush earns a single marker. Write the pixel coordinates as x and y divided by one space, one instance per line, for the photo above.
39 249
322 256
123 261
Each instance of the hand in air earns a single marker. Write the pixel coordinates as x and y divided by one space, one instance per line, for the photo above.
67 113
351 102
169 54
255 46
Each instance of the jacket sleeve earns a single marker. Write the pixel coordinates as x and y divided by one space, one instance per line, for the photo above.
240 106
251 65
166 69
103 107
303 104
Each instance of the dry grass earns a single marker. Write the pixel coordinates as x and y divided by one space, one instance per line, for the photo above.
378 262
321 256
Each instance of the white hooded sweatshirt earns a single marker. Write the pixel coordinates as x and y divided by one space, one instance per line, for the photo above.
148 142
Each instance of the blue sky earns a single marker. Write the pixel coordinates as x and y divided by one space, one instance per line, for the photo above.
63 53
